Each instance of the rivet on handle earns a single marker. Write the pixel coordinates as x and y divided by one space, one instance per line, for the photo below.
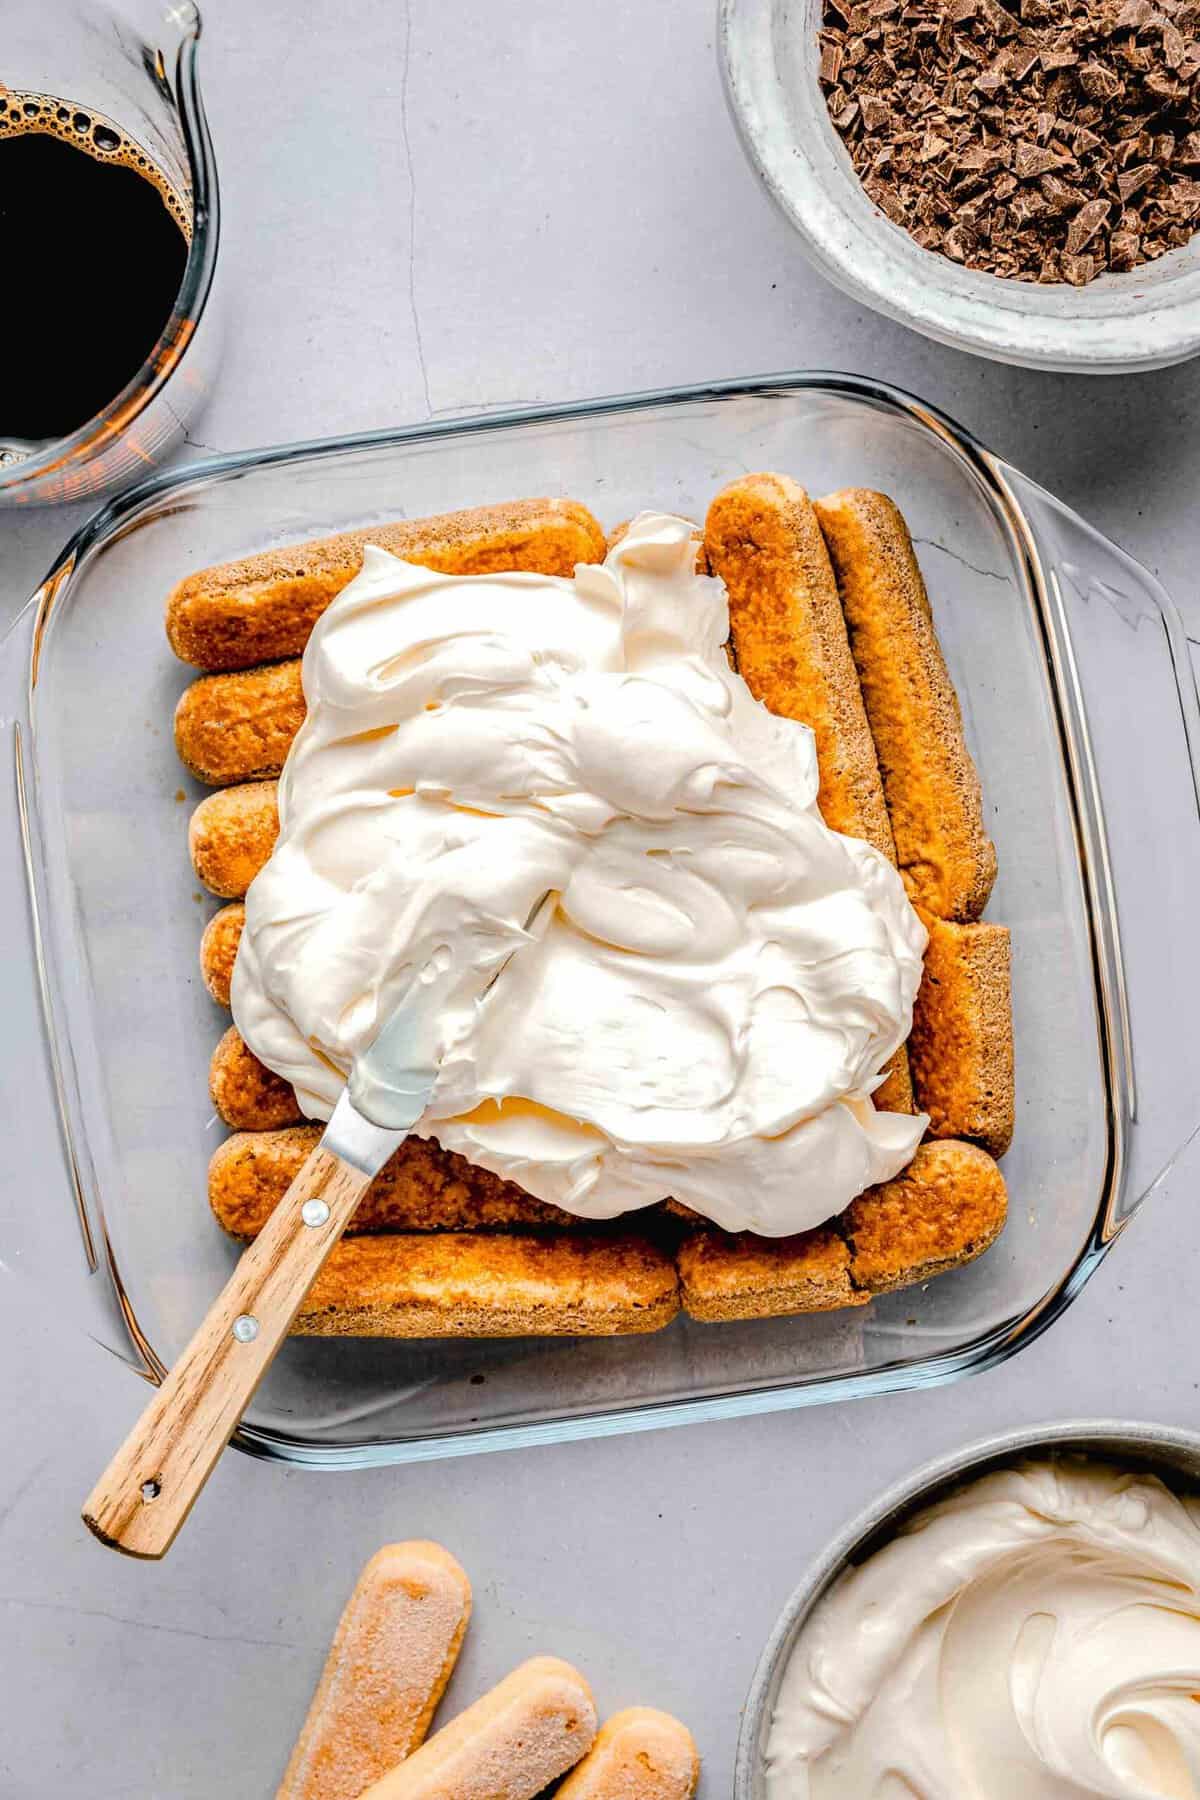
245 1328
314 1213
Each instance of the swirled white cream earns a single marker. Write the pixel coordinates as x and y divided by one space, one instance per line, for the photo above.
1035 1636
705 1011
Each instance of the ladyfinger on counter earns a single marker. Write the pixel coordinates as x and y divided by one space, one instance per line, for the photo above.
395 1649
420 1188
932 788
239 727
961 1047
944 1209
510 1745
218 950
247 1095
231 834
263 608
639 1754
789 637
467 1285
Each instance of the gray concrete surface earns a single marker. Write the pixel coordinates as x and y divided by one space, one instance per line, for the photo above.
431 210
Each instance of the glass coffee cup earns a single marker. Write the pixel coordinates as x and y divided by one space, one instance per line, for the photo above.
127 73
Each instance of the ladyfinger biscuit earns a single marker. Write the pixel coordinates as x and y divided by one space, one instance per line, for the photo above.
239 727
789 637
739 1276
944 1210
930 783
420 1188
468 1285
510 1745
231 834
248 1095
961 1045
639 1754
263 607
895 1091
218 950
396 1645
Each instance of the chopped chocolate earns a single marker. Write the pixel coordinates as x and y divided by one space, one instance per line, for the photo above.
831 62
1123 250
1086 224
1059 196
1031 160
1132 181
1041 140
1174 46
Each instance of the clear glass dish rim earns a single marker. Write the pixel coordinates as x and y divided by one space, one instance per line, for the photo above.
91 438
990 1348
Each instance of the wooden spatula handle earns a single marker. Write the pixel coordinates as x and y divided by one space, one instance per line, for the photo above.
148 1488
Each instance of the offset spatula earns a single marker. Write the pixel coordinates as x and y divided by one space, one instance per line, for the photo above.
148 1488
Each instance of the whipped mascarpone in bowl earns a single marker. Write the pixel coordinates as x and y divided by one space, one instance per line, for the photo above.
1033 1636
709 1001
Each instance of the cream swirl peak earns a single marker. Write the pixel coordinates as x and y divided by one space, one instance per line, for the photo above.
1034 1636
707 1008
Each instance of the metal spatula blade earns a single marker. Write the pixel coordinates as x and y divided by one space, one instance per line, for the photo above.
149 1487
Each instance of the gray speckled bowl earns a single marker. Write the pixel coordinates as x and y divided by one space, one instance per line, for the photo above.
1162 1449
1144 319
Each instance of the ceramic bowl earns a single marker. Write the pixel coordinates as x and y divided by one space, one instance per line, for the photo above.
1161 1450
1144 319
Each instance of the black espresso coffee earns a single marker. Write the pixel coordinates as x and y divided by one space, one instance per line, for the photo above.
93 243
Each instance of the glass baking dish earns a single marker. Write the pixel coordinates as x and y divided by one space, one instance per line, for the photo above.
1081 711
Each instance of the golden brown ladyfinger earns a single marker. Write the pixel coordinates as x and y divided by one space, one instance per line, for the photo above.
246 1094
961 1047
945 1208
231 834
740 1276
420 1188
239 727
895 1091
218 950
930 782
467 1285
396 1645
789 636
639 1754
511 1745
263 608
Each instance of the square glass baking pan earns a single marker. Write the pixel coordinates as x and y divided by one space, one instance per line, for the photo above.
1081 712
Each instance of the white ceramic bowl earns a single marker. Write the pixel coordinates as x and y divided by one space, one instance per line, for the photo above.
1144 319
1161 1450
